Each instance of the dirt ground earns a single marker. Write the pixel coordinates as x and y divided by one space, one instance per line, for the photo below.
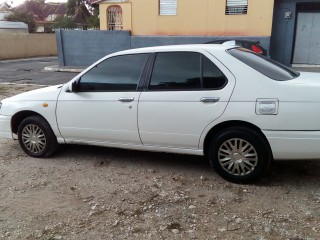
85 192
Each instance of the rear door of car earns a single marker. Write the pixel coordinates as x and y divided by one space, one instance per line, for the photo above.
185 91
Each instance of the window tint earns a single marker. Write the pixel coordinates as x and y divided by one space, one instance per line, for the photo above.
212 76
185 71
266 66
120 73
176 70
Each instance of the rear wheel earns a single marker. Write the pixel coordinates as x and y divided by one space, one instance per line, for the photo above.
239 154
36 137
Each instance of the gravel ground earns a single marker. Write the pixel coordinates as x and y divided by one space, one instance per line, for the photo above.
85 192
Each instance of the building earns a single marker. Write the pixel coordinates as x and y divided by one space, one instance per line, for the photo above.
13 27
245 18
44 14
4 11
296 32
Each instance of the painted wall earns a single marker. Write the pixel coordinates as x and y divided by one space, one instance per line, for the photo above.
283 30
82 48
14 46
194 18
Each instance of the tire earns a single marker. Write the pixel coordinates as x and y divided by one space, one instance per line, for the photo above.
36 137
240 154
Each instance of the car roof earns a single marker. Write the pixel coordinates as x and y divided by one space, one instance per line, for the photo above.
182 47
227 40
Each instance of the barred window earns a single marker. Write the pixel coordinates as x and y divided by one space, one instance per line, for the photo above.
168 7
236 7
114 14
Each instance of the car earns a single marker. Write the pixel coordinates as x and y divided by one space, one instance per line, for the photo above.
237 108
249 44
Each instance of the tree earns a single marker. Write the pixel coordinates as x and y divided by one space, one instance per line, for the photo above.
79 10
23 17
93 21
64 22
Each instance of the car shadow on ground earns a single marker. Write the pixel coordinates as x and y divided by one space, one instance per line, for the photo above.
293 172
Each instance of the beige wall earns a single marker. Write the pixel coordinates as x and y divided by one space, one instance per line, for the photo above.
27 45
200 17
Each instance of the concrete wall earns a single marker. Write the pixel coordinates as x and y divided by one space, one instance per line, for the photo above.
82 48
283 30
27 45
194 18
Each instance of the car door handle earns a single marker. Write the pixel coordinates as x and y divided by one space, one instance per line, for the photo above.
123 99
210 99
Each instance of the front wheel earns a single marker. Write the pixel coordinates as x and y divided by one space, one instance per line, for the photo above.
36 137
239 154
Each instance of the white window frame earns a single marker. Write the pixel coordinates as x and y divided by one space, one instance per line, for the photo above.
168 7
236 7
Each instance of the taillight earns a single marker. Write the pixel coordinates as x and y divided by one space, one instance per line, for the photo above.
256 49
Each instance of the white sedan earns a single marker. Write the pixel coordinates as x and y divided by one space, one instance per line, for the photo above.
239 109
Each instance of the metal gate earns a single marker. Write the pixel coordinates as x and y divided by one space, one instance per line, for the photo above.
307 44
114 14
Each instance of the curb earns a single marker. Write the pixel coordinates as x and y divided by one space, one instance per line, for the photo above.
63 69
28 59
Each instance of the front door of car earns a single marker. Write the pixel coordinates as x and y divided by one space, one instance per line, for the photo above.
103 110
187 91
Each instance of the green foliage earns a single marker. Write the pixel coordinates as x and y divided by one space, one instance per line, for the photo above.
72 6
23 17
64 22
94 21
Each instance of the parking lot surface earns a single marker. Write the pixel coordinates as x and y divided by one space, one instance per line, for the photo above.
32 71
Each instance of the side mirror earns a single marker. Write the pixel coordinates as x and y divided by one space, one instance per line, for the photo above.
74 86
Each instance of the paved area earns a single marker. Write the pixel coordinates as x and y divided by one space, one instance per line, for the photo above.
32 71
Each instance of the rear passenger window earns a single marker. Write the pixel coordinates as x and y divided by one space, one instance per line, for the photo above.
185 71
176 70
212 76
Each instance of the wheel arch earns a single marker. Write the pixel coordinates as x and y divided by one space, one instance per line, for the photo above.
18 118
234 123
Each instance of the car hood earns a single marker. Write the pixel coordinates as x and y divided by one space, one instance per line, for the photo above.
46 93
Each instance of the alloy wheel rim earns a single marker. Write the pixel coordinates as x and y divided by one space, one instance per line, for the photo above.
237 157
33 138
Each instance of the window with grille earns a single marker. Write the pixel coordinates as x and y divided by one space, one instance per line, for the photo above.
168 7
236 7
114 14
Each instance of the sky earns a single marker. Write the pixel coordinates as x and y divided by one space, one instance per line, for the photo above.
15 3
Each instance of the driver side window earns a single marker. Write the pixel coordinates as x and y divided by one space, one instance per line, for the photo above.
119 73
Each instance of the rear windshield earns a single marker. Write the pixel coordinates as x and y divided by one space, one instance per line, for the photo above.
266 66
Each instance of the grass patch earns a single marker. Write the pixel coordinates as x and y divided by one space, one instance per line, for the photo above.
3 89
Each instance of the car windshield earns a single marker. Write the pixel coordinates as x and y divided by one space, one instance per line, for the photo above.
266 66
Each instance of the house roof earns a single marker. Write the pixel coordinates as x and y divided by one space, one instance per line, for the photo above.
41 11
4 7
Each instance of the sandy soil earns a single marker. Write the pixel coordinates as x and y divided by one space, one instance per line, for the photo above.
87 192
